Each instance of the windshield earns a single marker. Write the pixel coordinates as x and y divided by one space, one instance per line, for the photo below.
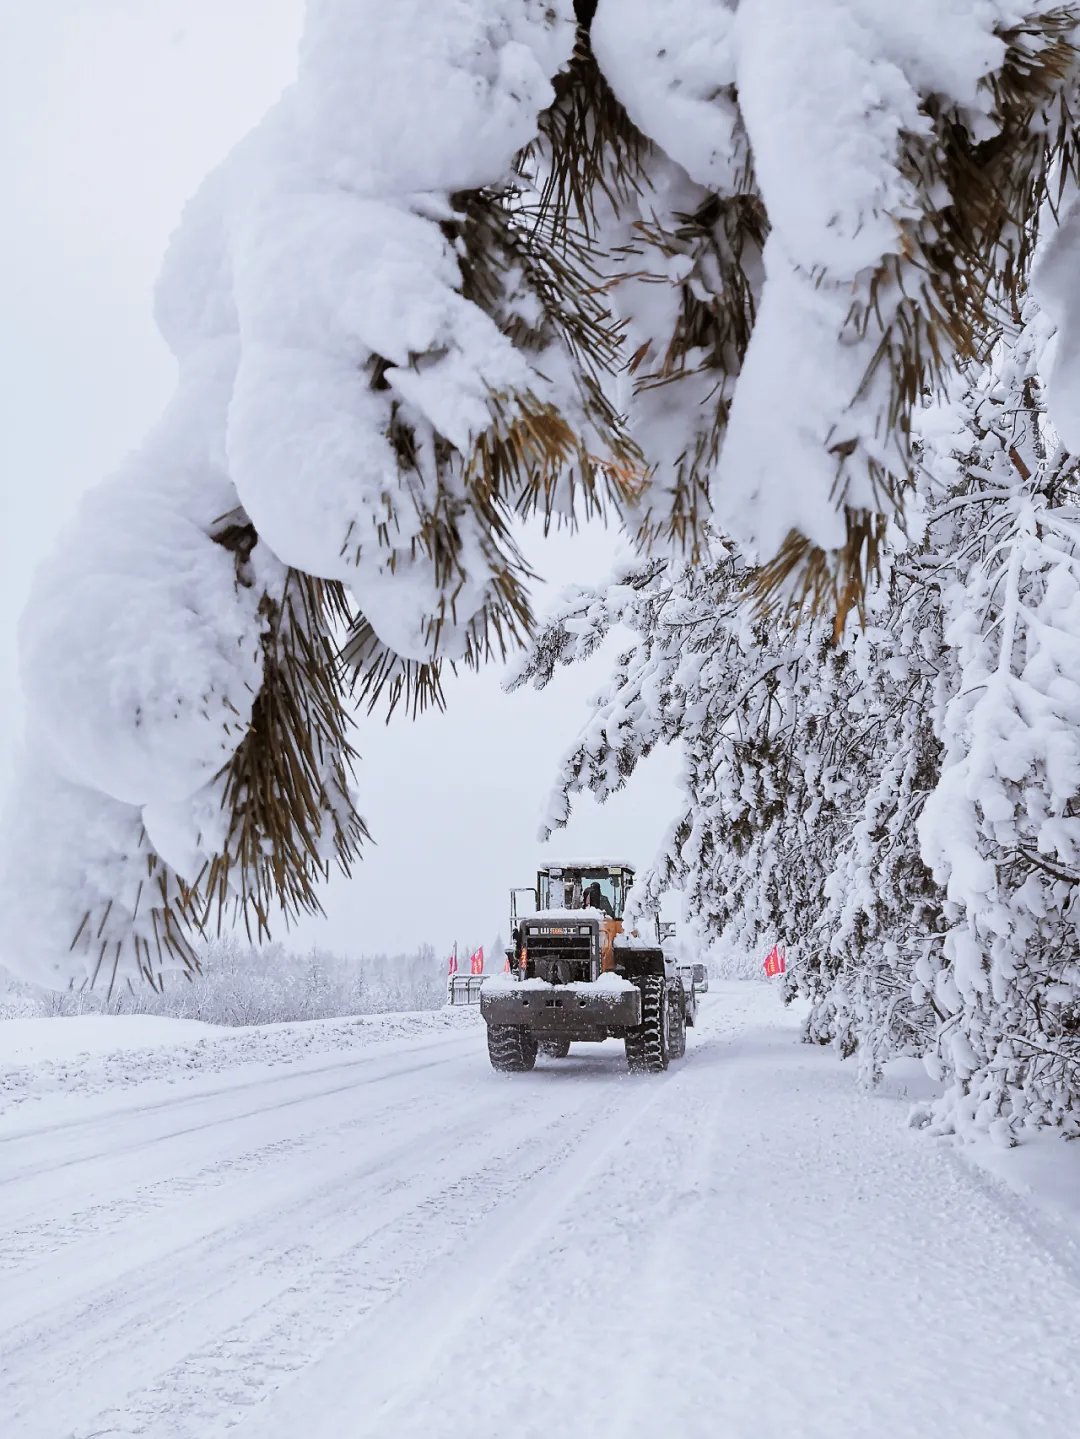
568 889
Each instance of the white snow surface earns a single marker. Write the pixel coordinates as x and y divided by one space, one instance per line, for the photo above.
635 941
828 153
35 1040
830 93
609 983
99 1054
208 1239
671 63
338 256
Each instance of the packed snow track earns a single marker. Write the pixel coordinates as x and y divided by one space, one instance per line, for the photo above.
391 1240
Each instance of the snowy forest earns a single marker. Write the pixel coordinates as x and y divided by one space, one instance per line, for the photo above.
243 984
787 290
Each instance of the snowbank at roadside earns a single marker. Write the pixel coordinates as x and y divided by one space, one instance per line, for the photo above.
91 1053
35 1040
1039 1183
1038 1180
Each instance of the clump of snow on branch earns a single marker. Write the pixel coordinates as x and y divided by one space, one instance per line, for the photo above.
334 379
344 267
865 123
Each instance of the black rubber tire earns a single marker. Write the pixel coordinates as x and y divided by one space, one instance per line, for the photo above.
555 1048
511 1049
677 1021
648 1046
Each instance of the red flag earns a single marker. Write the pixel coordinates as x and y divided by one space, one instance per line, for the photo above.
775 961
451 968
477 961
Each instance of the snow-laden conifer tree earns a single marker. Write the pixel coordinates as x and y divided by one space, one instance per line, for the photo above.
805 766
688 261
1002 829
899 805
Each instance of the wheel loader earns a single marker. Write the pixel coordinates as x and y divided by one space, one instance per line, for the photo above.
575 976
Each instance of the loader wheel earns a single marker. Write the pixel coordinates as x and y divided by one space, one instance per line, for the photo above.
648 1046
677 1031
511 1049
555 1048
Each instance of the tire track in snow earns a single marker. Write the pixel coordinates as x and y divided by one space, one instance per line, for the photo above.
1056 1237
108 1216
260 1048
650 1250
119 1165
583 1265
205 1224
100 1125
234 1270
457 1283
213 1388
676 1200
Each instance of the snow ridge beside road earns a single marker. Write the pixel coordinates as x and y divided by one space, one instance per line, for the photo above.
93 1054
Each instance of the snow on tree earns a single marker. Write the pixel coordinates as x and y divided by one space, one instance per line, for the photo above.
378 367
509 258
900 804
805 766
834 194
1002 829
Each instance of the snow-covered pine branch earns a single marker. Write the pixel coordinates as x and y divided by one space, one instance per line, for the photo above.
379 366
687 261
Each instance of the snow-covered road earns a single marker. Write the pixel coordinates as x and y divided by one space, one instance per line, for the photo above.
392 1241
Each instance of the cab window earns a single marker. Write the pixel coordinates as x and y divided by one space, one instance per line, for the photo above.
567 890
611 887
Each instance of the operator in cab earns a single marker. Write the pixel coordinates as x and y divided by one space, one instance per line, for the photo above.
595 898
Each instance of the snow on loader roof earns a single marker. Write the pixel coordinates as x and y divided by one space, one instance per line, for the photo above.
550 864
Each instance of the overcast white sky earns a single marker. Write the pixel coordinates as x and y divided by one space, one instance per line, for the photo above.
111 111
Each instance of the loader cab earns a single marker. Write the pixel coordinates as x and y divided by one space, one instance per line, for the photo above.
563 886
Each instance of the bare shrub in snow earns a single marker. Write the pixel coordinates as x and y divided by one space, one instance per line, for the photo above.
239 984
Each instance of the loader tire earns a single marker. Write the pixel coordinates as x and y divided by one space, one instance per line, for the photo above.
677 1030
648 1046
511 1049
555 1048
